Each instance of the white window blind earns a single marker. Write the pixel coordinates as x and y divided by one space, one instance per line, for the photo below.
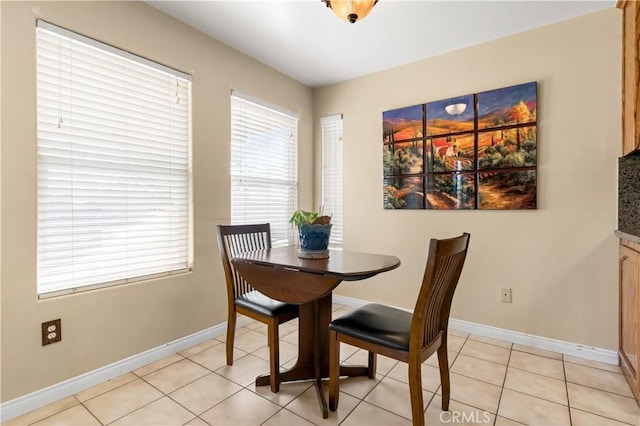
114 166
264 164
332 174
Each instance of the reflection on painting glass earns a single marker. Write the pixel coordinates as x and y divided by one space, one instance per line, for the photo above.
507 106
404 193
403 158
450 116
507 190
451 191
402 124
507 148
451 153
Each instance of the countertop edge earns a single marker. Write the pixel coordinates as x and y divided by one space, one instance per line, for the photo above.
624 236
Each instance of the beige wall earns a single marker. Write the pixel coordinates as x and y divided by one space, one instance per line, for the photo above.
104 326
560 260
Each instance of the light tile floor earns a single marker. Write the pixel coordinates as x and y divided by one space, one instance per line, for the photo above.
492 382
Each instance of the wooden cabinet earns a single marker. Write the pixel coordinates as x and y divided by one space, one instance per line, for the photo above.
630 75
629 327
629 267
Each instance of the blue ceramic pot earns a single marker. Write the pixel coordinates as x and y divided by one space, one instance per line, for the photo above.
314 237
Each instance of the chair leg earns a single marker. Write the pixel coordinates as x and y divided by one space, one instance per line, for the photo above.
334 370
373 362
231 332
443 362
415 391
274 355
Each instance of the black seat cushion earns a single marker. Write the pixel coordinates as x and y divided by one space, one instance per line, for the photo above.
263 305
379 324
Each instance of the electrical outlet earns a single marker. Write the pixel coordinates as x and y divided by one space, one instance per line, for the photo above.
505 295
51 331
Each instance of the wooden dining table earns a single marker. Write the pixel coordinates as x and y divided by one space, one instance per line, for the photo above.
280 274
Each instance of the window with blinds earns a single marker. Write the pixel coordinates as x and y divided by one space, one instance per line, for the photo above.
264 165
332 174
114 166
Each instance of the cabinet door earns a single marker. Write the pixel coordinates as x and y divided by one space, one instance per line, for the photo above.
629 315
631 74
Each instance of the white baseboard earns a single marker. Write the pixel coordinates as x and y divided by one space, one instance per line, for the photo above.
545 343
24 404
40 398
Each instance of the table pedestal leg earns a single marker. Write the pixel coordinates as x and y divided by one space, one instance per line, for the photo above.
313 348
313 351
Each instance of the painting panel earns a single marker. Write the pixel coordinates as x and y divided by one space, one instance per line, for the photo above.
402 124
404 193
507 106
451 191
507 190
403 158
451 153
507 148
451 115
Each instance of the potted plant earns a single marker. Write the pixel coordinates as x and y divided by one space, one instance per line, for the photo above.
314 230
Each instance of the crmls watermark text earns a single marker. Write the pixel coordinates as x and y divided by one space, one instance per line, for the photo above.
462 417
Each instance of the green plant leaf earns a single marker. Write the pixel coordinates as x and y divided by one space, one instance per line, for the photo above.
301 217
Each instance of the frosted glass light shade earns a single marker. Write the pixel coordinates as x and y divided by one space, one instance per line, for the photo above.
351 10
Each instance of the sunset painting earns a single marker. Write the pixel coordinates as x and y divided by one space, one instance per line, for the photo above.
507 106
478 151
403 158
402 124
451 115
404 193
451 153
452 191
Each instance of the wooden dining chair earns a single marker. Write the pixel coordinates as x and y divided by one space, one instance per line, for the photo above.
244 299
405 336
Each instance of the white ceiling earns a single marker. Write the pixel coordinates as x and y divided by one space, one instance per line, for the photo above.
306 41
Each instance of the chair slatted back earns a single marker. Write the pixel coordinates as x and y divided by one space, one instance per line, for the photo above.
444 266
234 240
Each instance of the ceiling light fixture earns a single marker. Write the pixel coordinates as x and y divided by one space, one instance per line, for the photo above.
350 10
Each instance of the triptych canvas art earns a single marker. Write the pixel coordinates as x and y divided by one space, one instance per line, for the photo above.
476 151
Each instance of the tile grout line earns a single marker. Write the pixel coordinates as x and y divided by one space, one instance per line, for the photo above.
118 387
381 408
361 400
63 410
88 411
591 366
473 378
133 411
605 417
534 396
288 411
139 377
186 408
540 355
504 380
598 389
180 387
75 395
166 394
481 359
589 387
